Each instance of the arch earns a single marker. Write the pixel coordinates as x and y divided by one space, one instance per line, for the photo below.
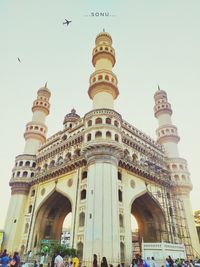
33 164
150 218
25 174
116 123
81 219
50 216
33 193
89 123
119 175
21 163
98 134
108 135
108 120
116 138
89 137
27 163
98 121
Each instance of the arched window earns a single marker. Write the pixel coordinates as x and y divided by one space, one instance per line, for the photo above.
120 195
27 163
98 134
108 120
84 175
25 174
107 78
100 77
32 174
26 228
70 126
21 163
121 221
89 123
119 176
89 137
30 209
52 163
98 120
18 174
122 252
116 123
83 194
33 193
108 135
80 250
34 165
81 219
116 138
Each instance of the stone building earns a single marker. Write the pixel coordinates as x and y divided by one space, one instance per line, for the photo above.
102 169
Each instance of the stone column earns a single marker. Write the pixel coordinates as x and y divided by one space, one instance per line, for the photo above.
102 236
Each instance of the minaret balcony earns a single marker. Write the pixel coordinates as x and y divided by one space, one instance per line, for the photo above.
35 131
167 133
41 105
103 51
162 108
103 81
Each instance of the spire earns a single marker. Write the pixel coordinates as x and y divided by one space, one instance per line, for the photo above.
45 85
158 87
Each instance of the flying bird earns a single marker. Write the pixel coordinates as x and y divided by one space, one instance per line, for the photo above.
19 59
67 22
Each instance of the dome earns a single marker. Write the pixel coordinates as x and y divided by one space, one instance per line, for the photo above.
160 94
71 117
44 91
103 37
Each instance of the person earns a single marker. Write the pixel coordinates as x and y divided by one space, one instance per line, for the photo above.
104 262
42 260
58 262
95 260
75 261
15 260
35 264
5 260
52 260
152 262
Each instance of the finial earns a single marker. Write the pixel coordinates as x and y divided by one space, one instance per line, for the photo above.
158 87
45 85
103 30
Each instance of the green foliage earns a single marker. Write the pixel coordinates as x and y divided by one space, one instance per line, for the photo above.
54 248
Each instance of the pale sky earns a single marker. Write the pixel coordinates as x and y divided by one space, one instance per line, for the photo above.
156 42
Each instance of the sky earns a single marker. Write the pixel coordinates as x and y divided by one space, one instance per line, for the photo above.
156 42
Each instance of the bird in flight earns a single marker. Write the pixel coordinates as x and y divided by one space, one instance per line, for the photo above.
67 22
19 59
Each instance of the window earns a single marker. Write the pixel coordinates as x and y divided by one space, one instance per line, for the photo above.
120 195
33 193
89 123
121 221
116 138
98 134
26 228
34 164
98 121
108 135
83 194
89 137
81 219
108 120
25 174
119 176
32 174
30 209
84 175
21 163
116 123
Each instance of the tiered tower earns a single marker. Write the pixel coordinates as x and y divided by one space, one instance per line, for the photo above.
24 170
103 82
167 136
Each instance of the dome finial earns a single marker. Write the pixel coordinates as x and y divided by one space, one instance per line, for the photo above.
158 87
103 30
45 85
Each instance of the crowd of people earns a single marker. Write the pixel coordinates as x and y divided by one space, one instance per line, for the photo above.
9 260
57 260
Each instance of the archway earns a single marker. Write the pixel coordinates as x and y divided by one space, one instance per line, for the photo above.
150 220
50 217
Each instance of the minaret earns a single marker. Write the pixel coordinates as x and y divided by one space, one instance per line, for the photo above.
103 82
102 149
36 129
24 171
167 136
